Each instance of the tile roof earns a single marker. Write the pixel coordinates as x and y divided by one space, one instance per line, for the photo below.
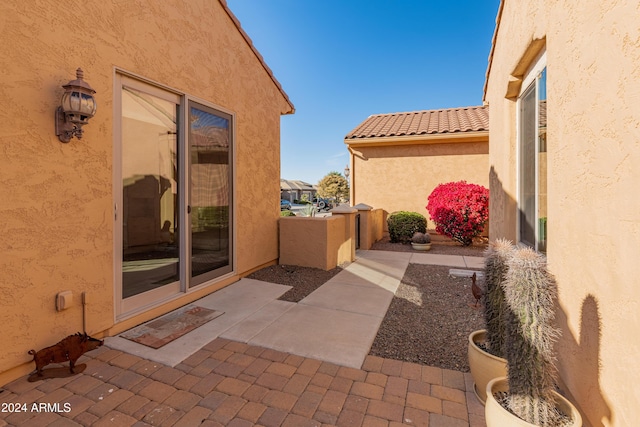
432 122
287 184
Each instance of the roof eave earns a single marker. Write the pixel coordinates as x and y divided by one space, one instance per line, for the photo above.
439 138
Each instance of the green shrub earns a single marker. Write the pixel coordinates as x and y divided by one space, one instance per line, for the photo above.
287 213
403 224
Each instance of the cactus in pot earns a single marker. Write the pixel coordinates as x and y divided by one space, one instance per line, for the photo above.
530 292
420 238
495 270
486 346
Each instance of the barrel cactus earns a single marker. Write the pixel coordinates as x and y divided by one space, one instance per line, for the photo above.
530 292
495 270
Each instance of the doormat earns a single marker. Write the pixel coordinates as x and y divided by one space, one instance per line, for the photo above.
167 328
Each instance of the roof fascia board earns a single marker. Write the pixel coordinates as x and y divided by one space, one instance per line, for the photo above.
442 138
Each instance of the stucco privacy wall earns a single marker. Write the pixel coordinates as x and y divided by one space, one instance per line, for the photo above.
57 211
593 117
401 177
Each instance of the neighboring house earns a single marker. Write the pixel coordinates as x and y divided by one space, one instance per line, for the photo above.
562 88
156 206
398 159
294 190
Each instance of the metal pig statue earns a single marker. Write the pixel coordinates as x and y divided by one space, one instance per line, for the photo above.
70 348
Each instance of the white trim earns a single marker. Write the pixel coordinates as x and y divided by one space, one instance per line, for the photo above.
531 78
534 70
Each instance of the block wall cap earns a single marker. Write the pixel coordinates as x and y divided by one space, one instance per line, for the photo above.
363 207
343 209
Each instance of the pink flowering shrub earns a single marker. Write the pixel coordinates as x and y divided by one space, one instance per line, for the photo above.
459 210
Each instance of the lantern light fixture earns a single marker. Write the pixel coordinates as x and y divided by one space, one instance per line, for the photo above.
77 106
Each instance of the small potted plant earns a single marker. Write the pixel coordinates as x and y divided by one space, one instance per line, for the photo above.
527 396
486 346
421 241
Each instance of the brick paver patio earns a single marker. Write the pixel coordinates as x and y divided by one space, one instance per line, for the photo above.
235 384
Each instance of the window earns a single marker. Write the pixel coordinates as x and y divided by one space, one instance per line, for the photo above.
174 193
532 161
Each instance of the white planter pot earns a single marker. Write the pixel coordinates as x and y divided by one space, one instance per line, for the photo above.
421 246
497 416
484 366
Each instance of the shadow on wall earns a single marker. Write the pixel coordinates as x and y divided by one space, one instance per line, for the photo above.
579 360
583 357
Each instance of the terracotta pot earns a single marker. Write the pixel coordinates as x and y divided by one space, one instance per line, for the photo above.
497 416
421 246
484 366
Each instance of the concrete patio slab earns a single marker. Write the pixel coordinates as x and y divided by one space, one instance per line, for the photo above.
334 336
249 327
474 262
372 301
238 301
354 278
365 273
385 255
438 259
375 271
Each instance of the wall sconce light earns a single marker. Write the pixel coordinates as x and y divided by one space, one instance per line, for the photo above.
77 106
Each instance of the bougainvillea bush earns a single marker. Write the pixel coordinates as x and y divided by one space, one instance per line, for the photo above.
459 210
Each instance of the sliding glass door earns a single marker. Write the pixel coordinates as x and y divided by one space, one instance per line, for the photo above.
210 183
173 212
150 185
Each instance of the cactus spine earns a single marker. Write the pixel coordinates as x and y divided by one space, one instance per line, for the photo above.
495 270
530 292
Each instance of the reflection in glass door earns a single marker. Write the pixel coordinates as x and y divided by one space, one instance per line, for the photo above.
173 195
150 238
210 185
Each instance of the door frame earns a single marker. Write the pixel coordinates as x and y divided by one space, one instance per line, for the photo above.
137 304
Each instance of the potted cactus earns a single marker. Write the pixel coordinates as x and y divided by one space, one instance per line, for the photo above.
529 397
421 241
486 346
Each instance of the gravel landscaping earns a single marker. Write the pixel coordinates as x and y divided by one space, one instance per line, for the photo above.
430 317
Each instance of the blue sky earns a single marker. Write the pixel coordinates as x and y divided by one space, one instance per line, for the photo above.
341 61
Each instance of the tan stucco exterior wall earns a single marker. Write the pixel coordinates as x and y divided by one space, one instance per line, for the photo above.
593 114
401 177
317 242
57 210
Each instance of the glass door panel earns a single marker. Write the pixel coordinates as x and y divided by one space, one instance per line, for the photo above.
210 193
150 239
542 161
527 184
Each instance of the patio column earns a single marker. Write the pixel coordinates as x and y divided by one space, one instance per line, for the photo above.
348 248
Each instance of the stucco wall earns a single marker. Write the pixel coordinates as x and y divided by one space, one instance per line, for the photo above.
401 177
57 210
593 113
318 242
